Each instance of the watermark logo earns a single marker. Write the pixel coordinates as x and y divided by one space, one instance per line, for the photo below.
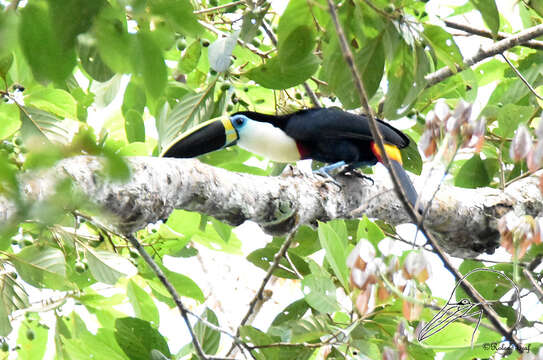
465 308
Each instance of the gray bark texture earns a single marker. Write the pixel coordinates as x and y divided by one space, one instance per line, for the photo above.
464 220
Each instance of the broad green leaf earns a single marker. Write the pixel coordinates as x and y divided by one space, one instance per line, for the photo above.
209 338
142 303
138 338
251 335
114 41
184 285
411 159
134 126
9 22
370 61
263 258
43 50
108 267
101 345
276 75
42 267
443 45
296 17
190 111
252 20
54 101
320 293
476 172
293 311
509 118
489 12
303 330
134 98
9 120
148 61
179 13
190 58
71 18
220 51
5 64
370 231
336 252
298 45
91 60
13 297
32 348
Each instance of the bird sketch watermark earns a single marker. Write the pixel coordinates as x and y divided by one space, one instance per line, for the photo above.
464 308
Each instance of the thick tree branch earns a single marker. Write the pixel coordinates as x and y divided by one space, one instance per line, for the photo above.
489 51
463 219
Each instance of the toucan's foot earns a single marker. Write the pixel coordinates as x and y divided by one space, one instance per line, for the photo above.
349 170
327 177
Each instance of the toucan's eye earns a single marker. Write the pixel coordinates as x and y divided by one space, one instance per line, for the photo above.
238 121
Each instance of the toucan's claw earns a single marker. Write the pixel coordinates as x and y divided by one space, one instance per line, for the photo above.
327 177
348 170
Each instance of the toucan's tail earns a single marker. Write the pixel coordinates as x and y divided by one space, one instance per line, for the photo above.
395 158
407 185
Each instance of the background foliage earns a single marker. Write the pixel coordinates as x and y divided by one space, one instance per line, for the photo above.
181 62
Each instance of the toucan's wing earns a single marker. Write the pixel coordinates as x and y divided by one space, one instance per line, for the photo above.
333 123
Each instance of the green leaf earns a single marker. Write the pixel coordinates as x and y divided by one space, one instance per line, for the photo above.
71 18
32 349
91 60
320 292
190 58
5 64
208 338
42 267
297 17
138 338
220 51
263 258
179 14
44 52
55 101
9 22
134 98
13 297
293 311
367 229
108 267
370 61
489 12
134 126
476 172
251 335
411 158
190 111
142 303
184 285
9 120
148 61
336 252
510 117
443 45
101 345
276 75
114 41
134 149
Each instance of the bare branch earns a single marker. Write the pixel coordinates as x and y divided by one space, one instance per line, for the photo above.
489 51
534 44
528 85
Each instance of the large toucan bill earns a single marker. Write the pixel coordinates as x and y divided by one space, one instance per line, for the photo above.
330 135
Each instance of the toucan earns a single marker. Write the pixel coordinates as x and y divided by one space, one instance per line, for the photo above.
328 135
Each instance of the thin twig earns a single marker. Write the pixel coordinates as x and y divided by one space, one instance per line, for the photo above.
489 51
470 290
220 7
535 284
175 296
528 85
258 297
534 44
